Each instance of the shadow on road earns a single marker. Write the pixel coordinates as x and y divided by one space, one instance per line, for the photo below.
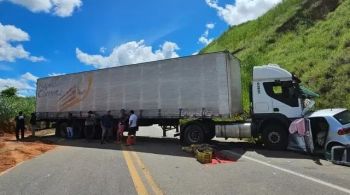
172 147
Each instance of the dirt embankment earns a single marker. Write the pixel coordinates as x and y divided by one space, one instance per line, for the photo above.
13 152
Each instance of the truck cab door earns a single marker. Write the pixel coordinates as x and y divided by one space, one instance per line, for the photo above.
284 98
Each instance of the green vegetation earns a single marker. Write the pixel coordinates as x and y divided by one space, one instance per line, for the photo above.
10 105
308 37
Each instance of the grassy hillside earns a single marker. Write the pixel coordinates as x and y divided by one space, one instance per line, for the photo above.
308 37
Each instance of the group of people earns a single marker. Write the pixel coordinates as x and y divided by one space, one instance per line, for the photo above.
126 121
21 127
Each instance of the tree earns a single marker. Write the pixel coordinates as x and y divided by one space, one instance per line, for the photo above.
9 92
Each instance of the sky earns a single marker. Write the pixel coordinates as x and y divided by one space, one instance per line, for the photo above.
40 38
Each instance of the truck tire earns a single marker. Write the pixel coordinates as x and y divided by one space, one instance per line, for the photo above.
194 134
275 137
62 127
89 133
77 129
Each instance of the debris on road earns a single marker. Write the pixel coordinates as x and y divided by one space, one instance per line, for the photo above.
13 152
206 154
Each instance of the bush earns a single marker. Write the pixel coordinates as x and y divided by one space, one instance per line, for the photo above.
9 108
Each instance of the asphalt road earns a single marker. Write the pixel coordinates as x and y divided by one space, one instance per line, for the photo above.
158 166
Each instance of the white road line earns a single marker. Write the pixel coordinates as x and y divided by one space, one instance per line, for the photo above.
294 173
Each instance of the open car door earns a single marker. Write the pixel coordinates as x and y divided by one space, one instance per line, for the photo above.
300 137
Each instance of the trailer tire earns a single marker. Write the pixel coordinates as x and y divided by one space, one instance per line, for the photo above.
62 127
194 134
90 133
77 129
275 137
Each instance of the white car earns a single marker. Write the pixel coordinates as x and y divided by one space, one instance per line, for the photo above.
328 132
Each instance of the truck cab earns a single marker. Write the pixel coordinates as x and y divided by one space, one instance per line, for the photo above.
275 101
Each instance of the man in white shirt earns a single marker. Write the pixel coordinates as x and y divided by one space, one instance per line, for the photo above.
132 129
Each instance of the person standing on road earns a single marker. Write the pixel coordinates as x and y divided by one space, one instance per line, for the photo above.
70 126
20 125
106 125
122 125
33 123
90 124
132 129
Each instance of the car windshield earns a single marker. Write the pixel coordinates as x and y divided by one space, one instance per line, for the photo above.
343 117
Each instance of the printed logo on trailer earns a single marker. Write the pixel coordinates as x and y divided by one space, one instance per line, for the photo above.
77 93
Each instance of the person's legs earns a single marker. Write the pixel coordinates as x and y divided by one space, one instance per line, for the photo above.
69 132
17 133
22 133
33 128
108 134
103 134
131 136
133 140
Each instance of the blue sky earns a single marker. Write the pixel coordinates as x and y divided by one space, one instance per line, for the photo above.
87 34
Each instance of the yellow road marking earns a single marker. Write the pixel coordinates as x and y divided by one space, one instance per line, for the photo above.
139 186
147 174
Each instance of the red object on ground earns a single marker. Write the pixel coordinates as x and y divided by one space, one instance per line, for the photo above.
219 159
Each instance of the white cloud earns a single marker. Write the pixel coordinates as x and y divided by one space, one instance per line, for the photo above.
29 77
10 50
242 10
62 8
103 49
129 53
210 26
204 38
25 84
55 74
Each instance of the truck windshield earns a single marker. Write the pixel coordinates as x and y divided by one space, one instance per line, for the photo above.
343 117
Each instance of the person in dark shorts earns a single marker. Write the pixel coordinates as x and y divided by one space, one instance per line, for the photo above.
20 125
132 129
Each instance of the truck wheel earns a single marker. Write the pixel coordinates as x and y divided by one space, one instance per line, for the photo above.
194 134
275 137
77 130
89 132
63 129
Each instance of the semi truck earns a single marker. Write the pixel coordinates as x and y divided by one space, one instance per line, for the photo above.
199 89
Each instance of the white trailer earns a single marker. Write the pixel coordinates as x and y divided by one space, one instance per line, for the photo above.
200 87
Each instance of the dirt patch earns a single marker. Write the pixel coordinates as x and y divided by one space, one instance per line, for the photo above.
309 12
13 152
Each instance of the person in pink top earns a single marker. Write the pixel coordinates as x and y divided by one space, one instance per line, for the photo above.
122 125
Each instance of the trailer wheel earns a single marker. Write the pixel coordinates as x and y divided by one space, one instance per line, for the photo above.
77 129
194 134
89 132
275 137
62 129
